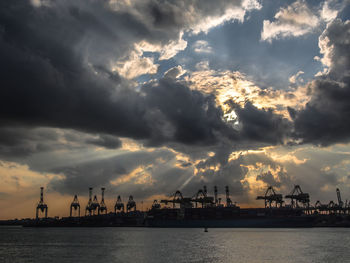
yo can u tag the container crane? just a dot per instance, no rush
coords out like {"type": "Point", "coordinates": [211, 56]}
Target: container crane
{"type": "Point", "coordinates": [202, 198]}
{"type": "Point", "coordinates": [131, 204]}
{"type": "Point", "coordinates": [298, 198]}
{"type": "Point", "coordinates": [340, 202]}
{"type": "Point", "coordinates": [119, 205]}
{"type": "Point", "coordinates": [95, 206]}
{"type": "Point", "coordinates": [88, 208]}
{"type": "Point", "coordinates": [155, 205]}
{"type": "Point", "coordinates": [92, 205]}
{"type": "Point", "coordinates": [102, 208]}
{"type": "Point", "coordinates": [75, 205]}
{"type": "Point", "coordinates": [270, 197]}
{"type": "Point", "coordinates": [321, 208]}
{"type": "Point", "coordinates": [177, 198]}
{"type": "Point", "coordinates": [41, 205]}
{"type": "Point", "coordinates": [228, 199]}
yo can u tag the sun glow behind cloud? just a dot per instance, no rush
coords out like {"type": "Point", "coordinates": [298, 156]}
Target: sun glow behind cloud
{"type": "Point", "coordinates": [228, 85]}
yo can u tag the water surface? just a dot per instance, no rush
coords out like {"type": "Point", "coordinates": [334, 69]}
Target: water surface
{"type": "Point", "coordinates": [110, 245]}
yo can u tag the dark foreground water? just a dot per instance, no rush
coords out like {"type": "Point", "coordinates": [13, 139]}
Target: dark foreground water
{"type": "Point", "coordinates": [110, 245]}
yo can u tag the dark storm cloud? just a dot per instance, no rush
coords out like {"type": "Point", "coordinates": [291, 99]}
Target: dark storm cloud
{"type": "Point", "coordinates": [268, 179]}
{"type": "Point", "coordinates": [53, 72]}
{"type": "Point", "coordinates": [261, 125]}
{"type": "Point", "coordinates": [191, 117]}
{"type": "Point", "coordinates": [325, 119]}
{"type": "Point", "coordinates": [282, 178]}
{"type": "Point", "coordinates": [107, 141]}
{"type": "Point", "coordinates": [183, 14]}
{"type": "Point", "coordinates": [46, 83]}
{"type": "Point", "coordinates": [21, 142]}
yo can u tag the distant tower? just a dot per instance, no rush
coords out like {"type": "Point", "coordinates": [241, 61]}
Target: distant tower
{"type": "Point", "coordinates": [41, 205]}
{"type": "Point", "coordinates": [216, 194]}
{"type": "Point", "coordinates": [340, 202]}
{"type": "Point", "coordinates": [205, 191]}
{"type": "Point", "coordinates": [102, 208]}
{"type": "Point", "coordinates": [228, 199]}
{"type": "Point", "coordinates": [75, 204]}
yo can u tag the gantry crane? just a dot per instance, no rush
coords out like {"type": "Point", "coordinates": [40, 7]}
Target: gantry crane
{"type": "Point", "coordinates": [88, 208]}
{"type": "Point", "coordinates": [177, 198]}
{"type": "Point", "coordinates": [95, 206]}
{"type": "Point", "coordinates": [75, 205]}
{"type": "Point", "coordinates": [228, 199]}
{"type": "Point", "coordinates": [340, 205]}
{"type": "Point", "coordinates": [205, 191]}
{"type": "Point", "coordinates": [92, 205]}
{"type": "Point", "coordinates": [119, 205]}
{"type": "Point", "coordinates": [270, 197]}
{"type": "Point", "coordinates": [321, 208]}
{"type": "Point", "coordinates": [155, 204]}
{"type": "Point", "coordinates": [202, 198]}
{"type": "Point", "coordinates": [41, 205]}
{"type": "Point", "coordinates": [199, 198]}
{"type": "Point", "coordinates": [298, 198]}
{"type": "Point", "coordinates": [102, 207]}
{"type": "Point", "coordinates": [131, 204]}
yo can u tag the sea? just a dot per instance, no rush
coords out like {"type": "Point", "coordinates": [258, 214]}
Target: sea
{"type": "Point", "coordinates": [167, 245]}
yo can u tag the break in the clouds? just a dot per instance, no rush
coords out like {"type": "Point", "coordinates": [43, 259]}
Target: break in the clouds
{"type": "Point", "coordinates": [146, 97]}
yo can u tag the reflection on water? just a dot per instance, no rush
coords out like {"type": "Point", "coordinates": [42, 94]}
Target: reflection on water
{"type": "Point", "coordinates": [52, 245]}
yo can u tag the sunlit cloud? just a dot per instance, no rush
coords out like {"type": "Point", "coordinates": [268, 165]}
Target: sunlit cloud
{"type": "Point", "coordinates": [226, 85]}
{"type": "Point", "coordinates": [174, 72]}
{"type": "Point", "coordinates": [293, 79]}
{"type": "Point", "coordinates": [202, 46]}
{"type": "Point", "coordinates": [140, 175]}
{"type": "Point", "coordinates": [294, 20]}
{"type": "Point", "coordinates": [135, 65]}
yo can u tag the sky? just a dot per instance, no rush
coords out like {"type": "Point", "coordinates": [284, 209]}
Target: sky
{"type": "Point", "coordinates": [146, 97]}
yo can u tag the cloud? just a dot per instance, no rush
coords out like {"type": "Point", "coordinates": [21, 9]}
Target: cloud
{"type": "Point", "coordinates": [71, 93]}
{"type": "Point", "coordinates": [172, 20]}
{"type": "Point", "coordinates": [331, 8]}
{"type": "Point", "coordinates": [107, 141]}
{"type": "Point", "coordinates": [202, 46]}
{"type": "Point", "coordinates": [293, 79]}
{"type": "Point", "coordinates": [183, 115]}
{"type": "Point", "coordinates": [135, 65]}
{"type": "Point", "coordinates": [333, 46]}
{"type": "Point", "coordinates": [174, 72]}
{"type": "Point", "coordinates": [142, 174]}
{"type": "Point", "coordinates": [294, 20]}
{"type": "Point", "coordinates": [233, 85]}
{"type": "Point", "coordinates": [269, 179]}
{"type": "Point", "coordinates": [67, 78]}
{"type": "Point", "coordinates": [324, 120]}
{"type": "Point", "coordinates": [261, 125]}
{"type": "Point", "coordinates": [196, 16]}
